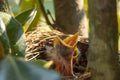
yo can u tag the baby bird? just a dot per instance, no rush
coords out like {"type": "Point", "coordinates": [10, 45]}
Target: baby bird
{"type": "Point", "coordinates": [64, 54]}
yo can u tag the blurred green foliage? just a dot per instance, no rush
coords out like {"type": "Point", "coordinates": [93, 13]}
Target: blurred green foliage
{"type": "Point", "coordinates": [13, 44]}
{"type": "Point", "coordinates": [15, 34]}
{"type": "Point", "coordinates": [12, 66]}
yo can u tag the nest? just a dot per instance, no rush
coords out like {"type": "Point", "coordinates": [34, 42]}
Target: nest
{"type": "Point", "coordinates": [39, 39]}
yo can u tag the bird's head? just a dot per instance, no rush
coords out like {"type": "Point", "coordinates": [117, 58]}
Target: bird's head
{"type": "Point", "coordinates": [67, 47]}
{"type": "Point", "coordinates": [66, 52]}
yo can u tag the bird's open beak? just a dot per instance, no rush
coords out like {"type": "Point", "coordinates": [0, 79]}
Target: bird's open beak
{"type": "Point", "coordinates": [72, 41]}
{"type": "Point", "coordinates": [69, 42]}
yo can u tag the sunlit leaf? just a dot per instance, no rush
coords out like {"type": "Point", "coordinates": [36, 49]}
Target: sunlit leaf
{"type": "Point", "coordinates": [5, 44]}
{"type": "Point", "coordinates": [38, 13]}
{"type": "Point", "coordinates": [15, 69]}
{"type": "Point", "coordinates": [30, 20]}
{"type": "Point", "coordinates": [15, 34]}
{"type": "Point", "coordinates": [23, 17]}
{"type": "Point", "coordinates": [26, 4]}
{"type": "Point", "coordinates": [37, 17]}
{"type": "Point", "coordinates": [26, 18]}
{"type": "Point", "coordinates": [45, 64]}
{"type": "Point", "coordinates": [48, 64]}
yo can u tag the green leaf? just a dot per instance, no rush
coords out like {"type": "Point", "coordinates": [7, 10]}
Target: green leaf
{"type": "Point", "coordinates": [4, 38]}
{"type": "Point", "coordinates": [45, 64]}
{"type": "Point", "coordinates": [30, 20]}
{"type": "Point", "coordinates": [39, 62]}
{"type": "Point", "coordinates": [23, 17]}
{"type": "Point", "coordinates": [15, 69]}
{"type": "Point", "coordinates": [38, 16]}
{"type": "Point", "coordinates": [15, 34]}
{"type": "Point", "coordinates": [26, 4]}
{"type": "Point", "coordinates": [26, 18]}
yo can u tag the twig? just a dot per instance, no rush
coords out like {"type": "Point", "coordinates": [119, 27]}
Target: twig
{"type": "Point", "coordinates": [54, 25]}
{"type": "Point", "coordinates": [28, 58]}
{"type": "Point", "coordinates": [44, 13]}
{"type": "Point", "coordinates": [85, 76]}
{"type": "Point", "coordinates": [48, 12]}
{"type": "Point", "coordinates": [50, 37]}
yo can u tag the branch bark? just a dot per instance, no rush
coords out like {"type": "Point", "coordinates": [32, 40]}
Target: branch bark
{"type": "Point", "coordinates": [103, 49]}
